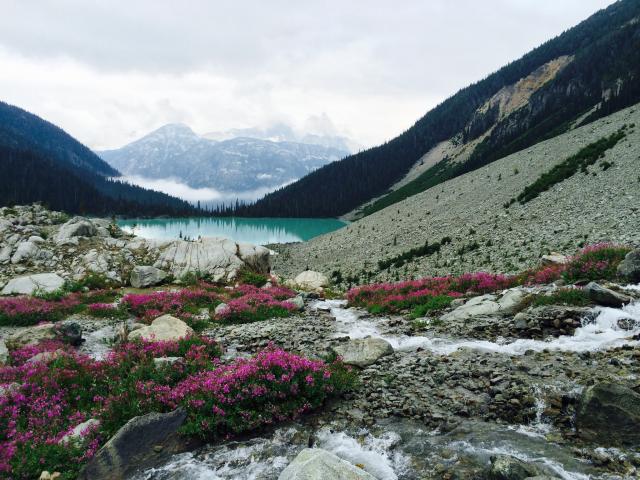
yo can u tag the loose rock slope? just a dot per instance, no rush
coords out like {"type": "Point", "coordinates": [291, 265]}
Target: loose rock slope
{"type": "Point", "coordinates": [600, 205]}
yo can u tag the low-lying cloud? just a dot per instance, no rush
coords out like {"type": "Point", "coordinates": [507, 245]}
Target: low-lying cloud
{"type": "Point", "coordinates": [210, 196]}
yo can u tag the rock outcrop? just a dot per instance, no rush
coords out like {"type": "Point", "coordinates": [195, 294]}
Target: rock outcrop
{"type": "Point", "coordinates": [309, 281]}
{"type": "Point", "coordinates": [605, 296]}
{"type": "Point", "coordinates": [30, 284]}
{"type": "Point", "coordinates": [609, 414]}
{"type": "Point", "coordinates": [146, 276]}
{"type": "Point", "coordinates": [629, 268]}
{"type": "Point", "coordinates": [140, 443]}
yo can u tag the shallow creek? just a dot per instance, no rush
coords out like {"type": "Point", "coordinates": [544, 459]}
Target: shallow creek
{"type": "Point", "coordinates": [395, 448]}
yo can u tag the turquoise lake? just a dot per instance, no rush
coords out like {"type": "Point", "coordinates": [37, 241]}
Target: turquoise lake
{"type": "Point", "coordinates": [259, 231]}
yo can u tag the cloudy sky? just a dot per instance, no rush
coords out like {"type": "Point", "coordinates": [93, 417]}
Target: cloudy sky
{"type": "Point", "coordinates": [109, 71]}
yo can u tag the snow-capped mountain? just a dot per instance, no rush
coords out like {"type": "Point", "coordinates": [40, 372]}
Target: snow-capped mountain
{"type": "Point", "coordinates": [281, 132]}
{"type": "Point", "coordinates": [228, 165]}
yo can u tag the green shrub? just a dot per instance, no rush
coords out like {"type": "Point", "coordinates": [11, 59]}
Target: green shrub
{"type": "Point", "coordinates": [433, 304]}
{"type": "Point", "coordinates": [251, 278]}
{"type": "Point", "coordinates": [563, 296]}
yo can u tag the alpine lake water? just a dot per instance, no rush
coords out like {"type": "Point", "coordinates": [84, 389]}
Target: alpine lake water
{"type": "Point", "coordinates": [259, 231]}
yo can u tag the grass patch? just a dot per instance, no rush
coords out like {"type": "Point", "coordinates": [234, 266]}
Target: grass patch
{"type": "Point", "coordinates": [564, 296]}
{"type": "Point", "coordinates": [433, 304]}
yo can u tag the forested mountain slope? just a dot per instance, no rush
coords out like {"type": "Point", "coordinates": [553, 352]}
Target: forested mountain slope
{"type": "Point", "coordinates": [592, 70]}
{"type": "Point", "coordinates": [39, 162]}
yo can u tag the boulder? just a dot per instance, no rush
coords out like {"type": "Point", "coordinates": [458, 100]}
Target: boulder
{"type": "Point", "coordinates": [30, 284]}
{"type": "Point", "coordinates": [142, 442]}
{"type": "Point", "coordinates": [76, 227]}
{"type": "Point", "coordinates": [319, 464]}
{"type": "Point", "coordinates": [605, 296]}
{"type": "Point", "coordinates": [31, 336]}
{"type": "Point", "coordinates": [629, 268]}
{"type": "Point", "coordinates": [146, 276]}
{"type": "Point", "coordinates": [511, 301]}
{"type": "Point", "coordinates": [481, 305]}
{"type": "Point", "coordinates": [221, 307]}
{"type": "Point", "coordinates": [609, 414]}
{"type": "Point", "coordinates": [25, 251]}
{"type": "Point", "coordinates": [218, 258]}
{"type": "Point", "coordinates": [69, 332]}
{"type": "Point", "coordinates": [163, 328]}
{"type": "Point", "coordinates": [298, 301]}
{"type": "Point", "coordinates": [310, 281]}
{"type": "Point", "coordinates": [362, 352]}
{"type": "Point", "coordinates": [554, 258]}
{"type": "Point", "coordinates": [506, 467]}
{"type": "Point", "coordinates": [76, 435]}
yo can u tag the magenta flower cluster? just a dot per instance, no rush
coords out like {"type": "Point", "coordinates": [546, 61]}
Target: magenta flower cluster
{"type": "Point", "coordinates": [42, 401]}
{"type": "Point", "coordinates": [26, 310]}
{"type": "Point", "coordinates": [402, 295]}
{"type": "Point", "coordinates": [180, 303]}
{"type": "Point", "coordinates": [249, 303]}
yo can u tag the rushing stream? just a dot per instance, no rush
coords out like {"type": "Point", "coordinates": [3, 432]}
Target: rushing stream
{"type": "Point", "coordinates": [397, 448]}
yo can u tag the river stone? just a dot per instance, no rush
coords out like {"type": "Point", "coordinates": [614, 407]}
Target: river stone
{"type": "Point", "coordinates": [163, 328]}
{"type": "Point", "coordinates": [609, 414]}
{"type": "Point", "coordinates": [511, 300]}
{"type": "Point", "coordinates": [298, 301]}
{"type": "Point", "coordinates": [30, 284]}
{"type": "Point", "coordinates": [140, 443]}
{"type": "Point", "coordinates": [146, 276]}
{"type": "Point", "coordinates": [605, 296]}
{"type": "Point", "coordinates": [218, 258]}
{"type": "Point", "coordinates": [362, 352]}
{"type": "Point", "coordinates": [506, 467]}
{"type": "Point", "coordinates": [76, 227]}
{"type": "Point", "coordinates": [311, 281]}
{"type": "Point", "coordinates": [629, 268]}
{"type": "Point", "coordinates": [319, 464]}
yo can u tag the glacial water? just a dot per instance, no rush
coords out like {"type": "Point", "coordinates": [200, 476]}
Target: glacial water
{"type": "Point", "coordinates": [259, 231]}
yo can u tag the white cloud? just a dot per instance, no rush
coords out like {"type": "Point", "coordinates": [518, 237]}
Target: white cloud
{"type": "Point", "coordinates": [109, 72]}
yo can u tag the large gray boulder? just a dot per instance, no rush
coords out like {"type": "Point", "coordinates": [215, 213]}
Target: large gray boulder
{"type": "Point", "coordinates": [32, 335]}
{"type": "Point", "coordinates": [310, 281]}
{"type": "Point", "coordinates": [319, 464]}
{"type": "Point", "coordinates": [25, 251]}
{"type": "Point", "coordinates": [141, 443]}
{"type": "Point", "coordinates": [605, 296]}
{"type": "Point", "coordinates": [162, 329]}
{"type": "Point", "coordinates": [362, 352]}
{"type": "Point", "coordinates": [629, 268]}
{"type": "Point", "coordinates": [609, 414]}
{"type": "Point", "coordinates": [30, 284]}
{"type": "Point", "coordinates": [218, 258]}
{"type": "Point", "coordinates": [146, 276]}
{"type": "Point", "coordinates": [481, 305]}
{"type": "Point", "coordinates": [506, 467]}
{"type": "Point", "coordinates": [76, 227]}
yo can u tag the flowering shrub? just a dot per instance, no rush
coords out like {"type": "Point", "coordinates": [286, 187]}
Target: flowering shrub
{"type": "Point", "coordinates": [26, 310]}
{"type": "Point", "coordinates": [393, 297]}
{"type": "Point", "coordinates": [272, 386]}
{"type": "Point", "coordinates": [183, 303]}
{"type": "Point", "coordinates": [44, 402]}
{"type": "Point", "coordinates": [595, 262]}
{"type": "Point", "coordinates": [249, 304]}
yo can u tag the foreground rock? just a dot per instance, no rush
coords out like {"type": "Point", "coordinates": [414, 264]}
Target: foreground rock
{"type": "Point", "coordinates": [605, 296]}
{"type": "Point", "coordinates": [319, 464]}
{"type": "Point", "coordinates": [629, 268]}
{"type": "Point", "coordinates": [30, 284]}
{"type": "Point", "coordinates": [609, 414]}
{"type": "Point", "coordinates": [146, 276]}
{"type": "Point", "coordinates": [141, 443]}
{"type": "Point", "coordinates": [362, 352]}
{"type": "Point", "coordinates": [163, 328]}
